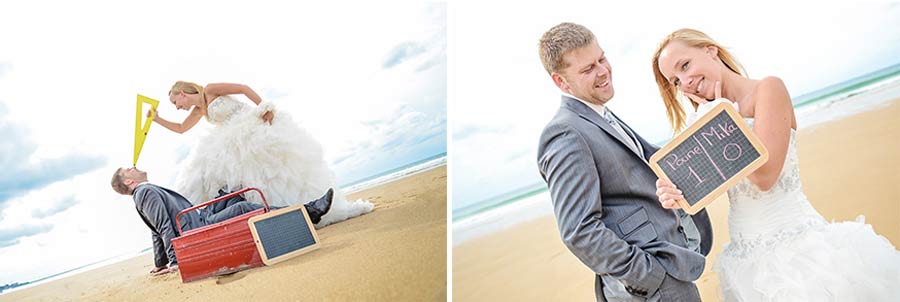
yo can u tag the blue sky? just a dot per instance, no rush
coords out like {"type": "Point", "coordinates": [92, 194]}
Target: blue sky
{"type": "Point", "coordinates": [371, 89]}
{"type": "Point", "coordinates": [501, 97]}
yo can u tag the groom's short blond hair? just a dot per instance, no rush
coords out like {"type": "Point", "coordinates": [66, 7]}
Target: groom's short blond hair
{"type": "Point", "coordinates": [118, 183]}
{"type": "Point", "coordinates": [560, 40]}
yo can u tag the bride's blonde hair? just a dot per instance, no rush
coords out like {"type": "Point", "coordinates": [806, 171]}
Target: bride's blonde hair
{"type": "Point", "coordinates": [189, 88]}
{"type": "Point", "coordinates": [693, 38]}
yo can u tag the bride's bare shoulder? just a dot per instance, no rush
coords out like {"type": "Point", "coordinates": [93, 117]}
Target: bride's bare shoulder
{"type": "Point", "coordinates": [765, 91]}
{"type": "Point", "coordinates": [770, 85]}
{"type": "Point", "coordinates": [219, 89]}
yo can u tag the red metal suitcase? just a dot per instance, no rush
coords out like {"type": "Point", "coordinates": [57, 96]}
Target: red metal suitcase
{"type": "Point", "coordinates": [220, 248]}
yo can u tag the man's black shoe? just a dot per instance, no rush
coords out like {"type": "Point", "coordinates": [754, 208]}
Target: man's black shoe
{"type": "Point", "coordinates": [319, 207]}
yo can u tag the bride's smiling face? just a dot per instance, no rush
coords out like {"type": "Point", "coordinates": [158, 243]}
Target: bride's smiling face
{"type": "Point", "coordinates": [691, 69]}
{"type": "Point", "coordinates": [181, 101]}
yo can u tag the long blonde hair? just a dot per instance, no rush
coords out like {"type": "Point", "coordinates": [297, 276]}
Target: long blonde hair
{"type": "Point", "coordinates": [190, 88]}
{"type": "Point", "coordinates": [693, 38]}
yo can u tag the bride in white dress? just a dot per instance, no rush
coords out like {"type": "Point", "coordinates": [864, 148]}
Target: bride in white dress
{"type": "Point", "coordinates": [252, 146]}
{"type": "Point", "coordinates": [781, 248]}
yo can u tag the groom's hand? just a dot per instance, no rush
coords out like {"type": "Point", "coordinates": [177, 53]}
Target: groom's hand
{"type": "Point", "coordinates": [668, 194]}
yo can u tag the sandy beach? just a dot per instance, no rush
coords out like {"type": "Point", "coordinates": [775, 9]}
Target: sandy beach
{"type": "Point", "coordinates": [849, 167]}
{"type": "Point", "coordinates": [396, 253]}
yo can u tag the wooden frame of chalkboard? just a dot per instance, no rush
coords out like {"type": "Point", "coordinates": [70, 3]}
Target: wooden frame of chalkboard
{"type": "Point", "coordinates": [699, 155]}
{"type": "Point", "coordinates": [273, 214]}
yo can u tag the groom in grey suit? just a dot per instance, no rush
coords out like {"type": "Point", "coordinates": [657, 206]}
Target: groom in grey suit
{"type": "Point", "coordinates": [603, 190]}
{"type": "Point", "coordinates": [158, 207]}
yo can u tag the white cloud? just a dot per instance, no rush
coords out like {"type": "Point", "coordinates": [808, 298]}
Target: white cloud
{"type": "Point", "coordinates": [19, 174]}
{"type": "Point", "coordinates": [54, 208]}
{"type": "Point", "coordinates": [501, 97]}
{"type": "Point", "coordinates": [13, 235]}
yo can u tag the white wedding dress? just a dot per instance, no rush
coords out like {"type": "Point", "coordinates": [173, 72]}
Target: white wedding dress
{"type": "Point", "coordinates": [281, 159]}
{"type": "Point", "coordinates": [782, 249]}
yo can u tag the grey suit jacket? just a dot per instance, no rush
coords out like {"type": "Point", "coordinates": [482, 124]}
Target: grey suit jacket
{"type": "Point", "coordinates": [158, 206]}
{"type": "Point", "coordinates": [607, 211]}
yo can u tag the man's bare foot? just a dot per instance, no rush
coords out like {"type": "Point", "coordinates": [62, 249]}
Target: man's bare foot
{"type": "Point", "coordinates": [163, 270]}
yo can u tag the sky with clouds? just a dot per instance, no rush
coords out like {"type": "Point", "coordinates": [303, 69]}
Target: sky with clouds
{"type": "Point", "coordinates": [501, 97]}
{"type": "Point", "coordinates": [368, 81]}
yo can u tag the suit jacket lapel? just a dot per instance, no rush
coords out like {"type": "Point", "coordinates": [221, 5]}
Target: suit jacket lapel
{"type": "Point", "coordinates": [594, 118]}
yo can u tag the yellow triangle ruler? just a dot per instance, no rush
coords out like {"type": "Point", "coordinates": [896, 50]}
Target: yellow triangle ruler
{"type": "Point", "coordinates": [140, 134]}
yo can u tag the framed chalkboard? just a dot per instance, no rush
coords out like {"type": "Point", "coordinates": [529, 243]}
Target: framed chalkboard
{"type": "Point", "coordinates": [282, 234]}
{"type": "Point", "coordinates": [709, 157]}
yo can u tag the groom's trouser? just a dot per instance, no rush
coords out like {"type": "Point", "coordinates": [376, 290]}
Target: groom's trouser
{"type": "Point", "coordinates": [232, 207]}
{"type": "Point", "coordinates": [235, 210]}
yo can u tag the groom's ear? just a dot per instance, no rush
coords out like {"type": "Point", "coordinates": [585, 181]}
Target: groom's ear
{"type": "Point", "coordinates": [560, 81]}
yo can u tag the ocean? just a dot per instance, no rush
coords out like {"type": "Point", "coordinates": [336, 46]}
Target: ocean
{"type": "Point", "coordinates": [396, 173]}
{"type": "Point", "coordinates": [829, 103]}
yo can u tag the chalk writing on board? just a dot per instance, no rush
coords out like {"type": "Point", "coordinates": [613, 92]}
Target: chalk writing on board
{"type": "Point", "coordinates": [710, 156]}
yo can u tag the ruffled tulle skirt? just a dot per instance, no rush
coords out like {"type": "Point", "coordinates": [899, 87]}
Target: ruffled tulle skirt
{"type": "Point", "coordinates": [281, 159]}
{"type": "Point", "coordinates": [845, 261]}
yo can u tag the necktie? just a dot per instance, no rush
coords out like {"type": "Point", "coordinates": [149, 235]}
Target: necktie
{"type": "Point", "coordinates": [629, 139]}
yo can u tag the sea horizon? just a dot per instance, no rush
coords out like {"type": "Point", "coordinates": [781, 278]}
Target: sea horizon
{"type": "Point", "coordinates": [395, 173]}
{"type": "Point", "coordinates": [815, 108]}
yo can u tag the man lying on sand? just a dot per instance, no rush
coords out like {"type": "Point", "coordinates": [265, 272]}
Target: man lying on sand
{"type": "Point", "coordinates": [158, 207]}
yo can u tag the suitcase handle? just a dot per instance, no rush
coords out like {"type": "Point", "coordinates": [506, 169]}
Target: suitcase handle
{"type": "Point", "coordinates": [229, 195]}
